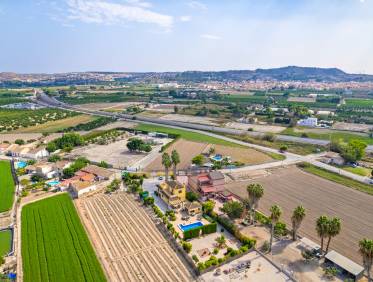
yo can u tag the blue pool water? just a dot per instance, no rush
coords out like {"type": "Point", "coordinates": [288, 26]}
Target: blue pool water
{"type": "Point", "coordinates": [53, 183]}
{"type": "Point", "coordinates": [190, 226]}
{"type": "Point", "coordinates": [20, 164]}
{"type": "Point", "coordinates": [217, 158]}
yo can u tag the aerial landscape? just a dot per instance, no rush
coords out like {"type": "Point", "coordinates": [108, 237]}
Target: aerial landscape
{"type": "Point", "coordinates": [186, 140]}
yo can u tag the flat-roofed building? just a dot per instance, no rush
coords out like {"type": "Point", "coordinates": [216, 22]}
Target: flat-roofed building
{"type": "Point", "coordinates": [173, 193]}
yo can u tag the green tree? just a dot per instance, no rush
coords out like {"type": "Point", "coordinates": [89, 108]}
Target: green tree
{"type": "Point", "coordinates": [166, 162]}
{"type": "Point", "coordinates": [255, 192]}
{"type": "Point", "coordinates": [233, 209]}
{"type": "Point", "coordinates": [299, 214]}
{"type": "Point", "coordinates": [175, 159]}
{"type": "Point", "coordinates": [191, 196]}
{"type": "Point", "coordinates": [322, 225]}
{"type": "Point", "coordinates": [366, 251]}
{"type": "Point", "coordinates": [103, 164]}
{"type": "Point", "coordinates": [274, 217]}
{"type": "Point", "coordinates": [19, 141]}
{"type": "Point", "coordinates": [54, 158]}
{"type": "Point", "coordinates": [198, 160]}
{"type": "Point", "coordinates": [334, 228]}
{"type": "Point", "coordinates": [208, 206]}
{"type": "Point", "coordinates": [353, 151]}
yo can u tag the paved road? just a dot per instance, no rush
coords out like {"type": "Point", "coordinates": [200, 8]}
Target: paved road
{"type": "Point", "coordinates": [207, 130]}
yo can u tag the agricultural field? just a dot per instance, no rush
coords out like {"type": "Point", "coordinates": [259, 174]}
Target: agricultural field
{"type": "Point", "coordinates": [359, 103]}
{"type": "Point", "coordinates": [5, 242]}
{"type": "Point", "coordinates": [11, 96]}
{"type": "Point", "coordinates": [128, 242]}
{"type": "Point", "coordinates": [187, 135]}
{"type": "Point", "coordinates": [191, 119]}
{"type": "Point", "coordinates": [7, 186]}
{"type": "Point", "coordinates": [329, 134]}
{"type": "Point", "coordinates": [103, 97]}
{"type": "Point", "coordinates": [55, 246]}
{"type": "Point", "coordinates": [189, 149]}
{"type": "Point", "coordinates": [16, 119]}
{"type": "Point", "coordinates": [255, 127]}
{"type": "Point", "coordinates": [289, 187]}
{"type": "Point", "coordinates": [58, 125]}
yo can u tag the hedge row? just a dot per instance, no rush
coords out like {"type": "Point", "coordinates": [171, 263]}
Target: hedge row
{"type": "Point", "coordinates": [195, 232]}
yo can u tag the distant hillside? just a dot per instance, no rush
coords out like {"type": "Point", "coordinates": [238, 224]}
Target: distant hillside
{"type": "Point", "coordinates": [282, 74]}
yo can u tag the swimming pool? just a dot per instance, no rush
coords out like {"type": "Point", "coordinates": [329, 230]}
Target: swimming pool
{"type": "Point", "coordinates": [217, 158]}
{"type": "Point", "coordinates": [20, 164]}
{"type": "Point", "coordinates": [53, 183]}
{"type": "Point", "coordinates": [190, 226]}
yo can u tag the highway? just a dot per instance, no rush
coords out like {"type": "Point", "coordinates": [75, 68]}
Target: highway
{"type": "Point", "coordinates": [291, 158]}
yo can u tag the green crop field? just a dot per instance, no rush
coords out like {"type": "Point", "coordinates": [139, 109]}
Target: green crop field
{"type": "Point", "coordinates": [337, 135]}
{"type": "Point", "coordinates": [5, 242]}
{"type": "Point", "coordinates": [187, 135]}
{"type": "Point", "coordinates": [359, 103]}
{"type": "Point", "coordinates": [55, 246]}
{"type": "Point", "coordinates": [6, 186]}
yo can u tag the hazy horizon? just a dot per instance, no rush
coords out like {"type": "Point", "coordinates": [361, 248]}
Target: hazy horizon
{"type": "Point", "coordinates": [166, 36]}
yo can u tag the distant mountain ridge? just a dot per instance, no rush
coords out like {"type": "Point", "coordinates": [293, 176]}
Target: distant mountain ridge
{"type": "Point", "coordinates": [289, 73]}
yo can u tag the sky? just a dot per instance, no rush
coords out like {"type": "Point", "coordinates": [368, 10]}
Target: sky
{"type": "Point", "coordinates": [41, 36]}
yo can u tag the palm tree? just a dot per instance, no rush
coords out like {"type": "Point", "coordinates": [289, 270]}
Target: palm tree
{"type": "Point", "coordinates": [322, 229]}
{"type": "Point", "coordinates": [255, 192]}
{"type": "Point", "coordinates": [334, 227]}
{"type": "Point", "coordinates": [246, 204]}
{"type": "Point", "coordinates": [296, 219]}
{"type": "Point", "coordinates": [366, 251]}
{"type": "Point", "coordinates": [220, 241]}
{"type": "Point", "coordinates": [275, 217]}
{"type": "Point", "coordinates": [175, 159]}
{"type": "Point", "coordinates": [166, 162]}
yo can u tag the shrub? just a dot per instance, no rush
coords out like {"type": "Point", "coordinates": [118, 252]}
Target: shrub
{"type": "Point", "coordinates": [54, 158]}
{"type": "Point", "coordinates": [215, 251]}
{"type": "Point", "coordinates": [270, 137]}
{"type": "Point", "coordinates": [149, 201]}
{"type": "Point", "coordinates": [201, 266]}
{"type": "Point", "coordinates": [208, 206]}
{"type": "Point", "coordinates": [233, 209]}
{"type": "Point", "coordinates": [209, 228]}
{"type": "Point", "coordinates": [195, 258]}
{"type": "Point", "coordinates": [192, 233]}
{"type": "Point", "coordinates": [280, 229]}
{"type": "Point", "coordinates": [19, 141]}
{"type": "Point", "coordinates": [265, 247]}
{"type": "Point", "coordinates": [187, 247]}
{"type": "Point", "coordinates": [244, 248]}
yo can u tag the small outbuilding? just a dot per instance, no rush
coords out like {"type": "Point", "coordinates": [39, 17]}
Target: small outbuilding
{"type": "Point", "coordinates": [350, 268]}
{"type": "Point", "coordinates": [193, 208]}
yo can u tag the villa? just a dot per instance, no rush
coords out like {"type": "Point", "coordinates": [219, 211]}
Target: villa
{"type": "Point", "coordinates": [207, 184]}
{"type": "Point", "coordinates": [37, 153]}
{"type": "Point", "coordinates": [173, 193]}
{"type": "Point", "coordinates": [193, 208]}
{"type": "Point", "coordinates": [98, 172]}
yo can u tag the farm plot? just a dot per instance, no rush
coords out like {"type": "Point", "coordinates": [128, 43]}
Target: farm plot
{"type": "Point", "coordinates": [5, 241]}
{"type": "Point", "coordinates": [57, 125]}
{"type": "Point", "coordinates": [191, 119]}
{"type": "Point", "coordinates": [55, 246]}
{"type": "Point", "coordinates": [290, 187]}
{"type": "Point", "coordinates": [7, 186]}
{"type": "Point", "coordinates": [256, 127]}
{"type": "Point", "coordinates": [190, 149]}
{"type": "Point", "coordinates": [128, 242]}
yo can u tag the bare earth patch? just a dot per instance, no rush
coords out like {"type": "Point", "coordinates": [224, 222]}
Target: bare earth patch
{"type": "Point", "coordinates": [247, 156]}
{"type": "Point", "coordinates": [255, 127]}
{"type": "Point", "coordinates": [290, 187]}
{"type": "Point", "coordinates": [302, 99]}
{"type": "Point", "coordinates": [192, 119]}
{"type": "Point", "coordinates": [106, 106]}
{"type": "Point", "coordinates": [128, 243]}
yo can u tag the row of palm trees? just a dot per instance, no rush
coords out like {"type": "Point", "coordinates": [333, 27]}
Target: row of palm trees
{"type": "Point", "coordinates": [326, 228]}
{"type": "Point", "coordinates": [168, 161]}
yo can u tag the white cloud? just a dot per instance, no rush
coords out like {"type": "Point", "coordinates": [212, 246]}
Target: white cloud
{"type": "Point", "coordinates": [104, 12]}
{"type": "Point", "coordinates": [185, 18]}
{"type": "Point", "coordinates": [210, 37]}
{"type": "Point", "coordinates": [197, 5]}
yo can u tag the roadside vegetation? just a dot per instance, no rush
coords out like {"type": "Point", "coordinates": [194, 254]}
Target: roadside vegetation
{"type": "Point", "coordinates": [95, 123]}
{"type": "Point", "coordinates": [366, 188]}
{"type": "Point", "coordinates": [55, 246]}
{"type": "Point", "coordinates": [7, 186]}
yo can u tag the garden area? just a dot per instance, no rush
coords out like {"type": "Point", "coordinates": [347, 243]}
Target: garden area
{"type": "Point", "coordinates": [55, 246]}
{"type": "Point", "coordinates": [5, 242]}
{"type": "Point", "coordinates": [7, 186]}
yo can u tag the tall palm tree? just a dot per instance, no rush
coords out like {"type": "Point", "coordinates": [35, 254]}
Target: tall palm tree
{"type": "Point", "coordinates": [246, 204]}
{"type": "Point", "coordinates": [296, 219]}
{"type": "Point", "coordinates": [166, 162]}
{"type": "Point", "coordinates": [366, 251]}
{"type": "Point", "coordinates": [255, 191]}
{"type": "Point", "coordinates": [334, 228]}
{"type": "Point", "coordinates": [175, 159]}
{"type": "Point", "coordinates": [274, 217]}
{"type": "Point", "coordinates": [322, 224]}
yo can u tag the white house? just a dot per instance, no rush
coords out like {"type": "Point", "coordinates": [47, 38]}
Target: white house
{"type": "Point", "coordinates": [37, 153]}
{"type": "Point", "coordinates": [311, 122]}
{"type": "Point", "coordinates": [81, 187]}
